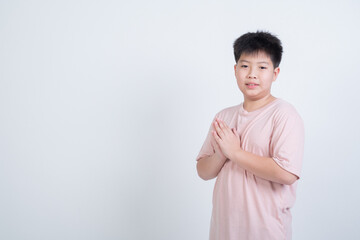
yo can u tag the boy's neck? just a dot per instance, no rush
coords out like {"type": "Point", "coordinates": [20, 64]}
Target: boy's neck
{"type": "Point", "coordinates": [252, 105]}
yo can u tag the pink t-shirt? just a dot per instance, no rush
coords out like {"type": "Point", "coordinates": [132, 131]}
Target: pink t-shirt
{"type": "Point", "coordinates": [246, 206]}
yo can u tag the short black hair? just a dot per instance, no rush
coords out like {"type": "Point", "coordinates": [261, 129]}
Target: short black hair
{"type": "Point", "coordinates": [254, 42]}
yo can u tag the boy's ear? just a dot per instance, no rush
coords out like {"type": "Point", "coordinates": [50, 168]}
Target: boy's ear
{"type": "Point", "coordinates": [235, 68]}
{"type": "Point", "coordinates": [276, 73]}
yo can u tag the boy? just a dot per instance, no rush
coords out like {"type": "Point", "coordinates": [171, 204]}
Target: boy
{"type": "Point", "coordinates": [255, 150]}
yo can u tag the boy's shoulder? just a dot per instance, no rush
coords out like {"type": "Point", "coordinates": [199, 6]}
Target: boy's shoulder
{"type": "Point", "coordinates": [284, 106]}
{"type": "Point", "coordinates": [228, 111]}
{"type": "Point", "coordinates": [283, 110]}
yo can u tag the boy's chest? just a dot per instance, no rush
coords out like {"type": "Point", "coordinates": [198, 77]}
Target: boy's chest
{"type": "Point", "coordinates": [255, 133]}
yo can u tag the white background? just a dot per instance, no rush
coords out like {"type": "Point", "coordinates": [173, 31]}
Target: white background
{"type": "Point", "coordinates": [104, 106]}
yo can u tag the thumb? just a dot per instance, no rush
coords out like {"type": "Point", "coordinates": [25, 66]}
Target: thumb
{"type": "Point", "coordinates": [235, 132]}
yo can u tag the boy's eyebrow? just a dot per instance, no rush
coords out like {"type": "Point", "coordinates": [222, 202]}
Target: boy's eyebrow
{"type": "Point", "coordinates": [257, 62]}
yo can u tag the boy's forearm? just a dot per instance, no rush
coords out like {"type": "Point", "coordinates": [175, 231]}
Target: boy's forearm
{"type": "Point", "coordinates": [264, 167]}
{"type": "Point", "coordinates": [209, 167]}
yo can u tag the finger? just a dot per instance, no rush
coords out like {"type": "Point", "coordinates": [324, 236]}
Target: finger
{"type": "Point", "coordinates": [235, 132]}
{"type": "Point", "coordinates": [224, 126]}
{"type": "Point", "coordinates": [218, 129]}
{"type": "Point", "coordinates": [216, 136]}
{"type": "Point", "coordinates": [216, 146]}
{"type": "Point", "coordinates": [221, 123]}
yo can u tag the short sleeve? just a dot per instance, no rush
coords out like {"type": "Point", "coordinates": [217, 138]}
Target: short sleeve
{"type": "Point", "coordinates": [207, 148]}
{"type": "Point", "coordinates": [287, 142]}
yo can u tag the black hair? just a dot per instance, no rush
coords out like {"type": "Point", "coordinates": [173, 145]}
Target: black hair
{"type": "Point", "coordinates": [254, 42]}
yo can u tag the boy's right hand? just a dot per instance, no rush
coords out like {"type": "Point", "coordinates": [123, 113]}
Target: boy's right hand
{"type": "Point", "coordinates": [218, 153]}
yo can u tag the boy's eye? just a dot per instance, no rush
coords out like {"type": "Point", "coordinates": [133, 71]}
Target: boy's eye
{"type": "Point", "coordinates": [244, 66]}
{"type": "Point", "coordinates": [262, 67]}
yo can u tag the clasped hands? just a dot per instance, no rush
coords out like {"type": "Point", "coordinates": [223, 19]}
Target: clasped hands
{"type": "Point", "coordinates": [227, 140]}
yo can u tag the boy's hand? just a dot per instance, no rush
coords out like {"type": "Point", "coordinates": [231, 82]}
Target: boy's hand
{"type": "Point", "coordinates": [227, 139]}
{"type": "Point", "coordinates": [218, 152]}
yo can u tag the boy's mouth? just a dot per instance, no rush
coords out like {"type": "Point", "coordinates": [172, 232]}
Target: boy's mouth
{"type": "Point", "coordinates": [251, 85]}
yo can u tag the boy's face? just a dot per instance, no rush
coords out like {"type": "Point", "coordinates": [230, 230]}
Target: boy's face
{"type": "Point", "coordinates": [254, 74]}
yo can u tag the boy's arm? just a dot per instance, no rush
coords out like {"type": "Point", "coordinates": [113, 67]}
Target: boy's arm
{"type": "Point", "coordinates": [210, 166]}
{"type": "Point", "coordinates": [264, 167]}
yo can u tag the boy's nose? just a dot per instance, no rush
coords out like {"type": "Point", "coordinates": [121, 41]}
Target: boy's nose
{"type": "Point", "coordinates": [252, 74]}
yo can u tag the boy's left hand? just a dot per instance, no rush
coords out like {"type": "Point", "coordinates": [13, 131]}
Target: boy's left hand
{"type": "Point", "coordinates": [228, 139]}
